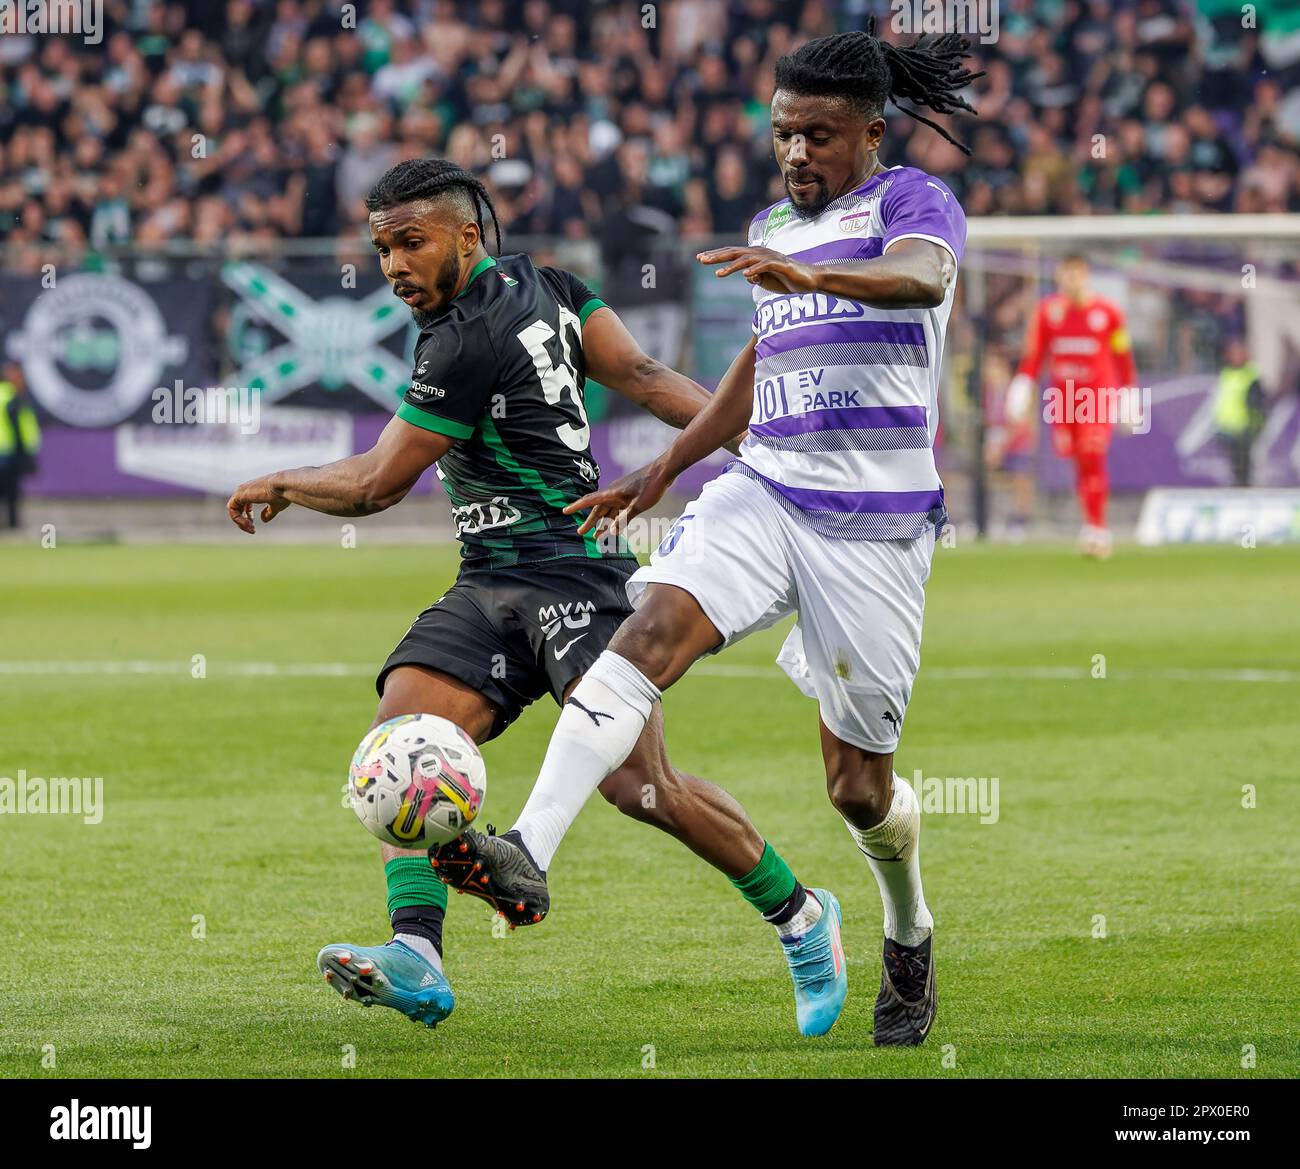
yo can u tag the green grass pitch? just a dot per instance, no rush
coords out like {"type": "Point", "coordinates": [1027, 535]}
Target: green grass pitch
{"type": "Point", "coordinates": [1120, 814]}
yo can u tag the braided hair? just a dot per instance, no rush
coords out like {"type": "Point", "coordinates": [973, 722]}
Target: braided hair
{"type": "Point", "coordinates": [432, 178]}
{"type": "Point", "coordinates": [870, 71]}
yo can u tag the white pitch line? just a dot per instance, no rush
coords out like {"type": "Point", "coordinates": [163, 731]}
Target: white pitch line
{"type": "Point", "coordinates": [705, 669]}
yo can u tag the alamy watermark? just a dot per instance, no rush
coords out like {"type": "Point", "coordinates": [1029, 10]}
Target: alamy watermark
{"type": "Point", "coordinates": [1113, 405]}
{"type": "Point", "coordinates": [182, 405]}
{"type": "Point", "coordinates": [102, 1122]}
{"type": "Point", "coordinates": [78, 18]}
{"type": "Point", "coordinates": [957, 795]}
{"type": "Point", "coordinates": [977, 19]}
{"type": "Point", "coordinates": [57, 796]}
{"type": "Point", "coordinates": [649, 533]}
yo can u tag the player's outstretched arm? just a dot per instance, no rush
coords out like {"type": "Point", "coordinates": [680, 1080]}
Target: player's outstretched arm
{"type": "Point", "coordinates": [725, 414]}
{"type": "Point", "coordinates": [356, 486]}
{"type": "Point", "coordinates": [616, 360]}
{"type": "Point", "coordinates": [913, 273]}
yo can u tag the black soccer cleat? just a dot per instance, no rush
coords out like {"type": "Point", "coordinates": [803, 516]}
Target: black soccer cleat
{"type": "Point", "coordinates": [908, 998]}
{"type": "Point", "coordinates": [496, 868]}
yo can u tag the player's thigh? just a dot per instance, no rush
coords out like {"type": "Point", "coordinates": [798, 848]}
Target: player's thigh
{"type": "Point", "coordinates": [666, 635]}
{"type": "Point", "coordinates": [417, 690]}
{"type": "Point", "coordinates": [856, 647]}
{"type": "Point", "coordinates": [721, 573]}
{"type": "Point", "coordinates": [465, 654]}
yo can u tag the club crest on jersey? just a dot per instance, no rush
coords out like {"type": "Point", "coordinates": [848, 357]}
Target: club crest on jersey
{"type": "Point", "coordinates": [855, 221]}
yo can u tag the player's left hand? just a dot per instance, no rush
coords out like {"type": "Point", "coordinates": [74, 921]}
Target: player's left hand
{"type": "Point", "coordinates": [240, 504]}
{"type": "Point", "coordinates": [764, 267]}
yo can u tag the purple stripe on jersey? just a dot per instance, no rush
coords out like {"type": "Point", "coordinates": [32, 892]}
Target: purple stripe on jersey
{"type": "Point", "coordinates": [850, 502]}
{"type": "Point", "coordinates": [838, 332]}
{"type": "Point", "coordinates": [840, 249]}
{"type": "Point", "coordinates": [853, 418]}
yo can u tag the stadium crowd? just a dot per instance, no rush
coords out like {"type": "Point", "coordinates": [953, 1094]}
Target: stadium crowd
{"type": "Point", "coordinates": [268, 118]}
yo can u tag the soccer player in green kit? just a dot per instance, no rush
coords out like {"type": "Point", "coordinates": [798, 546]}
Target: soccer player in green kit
{"type": "Point", "coordinates": [496, 402]}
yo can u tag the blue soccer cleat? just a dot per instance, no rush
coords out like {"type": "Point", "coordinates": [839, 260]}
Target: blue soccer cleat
{"type": "Point", "coordinates": [392, 976]}
{"type": "Point", "coordinates": [821, 976]}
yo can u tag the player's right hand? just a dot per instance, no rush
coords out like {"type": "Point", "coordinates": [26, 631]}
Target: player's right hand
{"type": "Point", "coordinates": [615, 506]}
{"type": "Point", "coordinates": [240, 505]}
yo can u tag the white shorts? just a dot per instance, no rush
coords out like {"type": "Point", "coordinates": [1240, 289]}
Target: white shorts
{"type": "Point", "coordinates": [856, 646]}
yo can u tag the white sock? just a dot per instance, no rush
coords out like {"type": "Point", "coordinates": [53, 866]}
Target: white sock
{"type": "Point", "coordinates": [893, 850]}
{"type": "Point", "coordinates": [598, 727]}
{"type": "Point", "coordinates": [803, 921]}
{"type": "Point", "coordinates": [422, 946]}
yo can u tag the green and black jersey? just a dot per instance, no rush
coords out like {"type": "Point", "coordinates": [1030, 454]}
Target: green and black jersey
{"type": "Point", "coordinates": [502, 371]}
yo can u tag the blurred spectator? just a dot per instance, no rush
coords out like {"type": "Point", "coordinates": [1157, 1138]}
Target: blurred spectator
{"type": "Point", "coordinates": [272, 117]}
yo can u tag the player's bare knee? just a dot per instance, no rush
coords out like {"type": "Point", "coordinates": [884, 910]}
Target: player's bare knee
{"type": "Point", "coordinates": [860, 790]}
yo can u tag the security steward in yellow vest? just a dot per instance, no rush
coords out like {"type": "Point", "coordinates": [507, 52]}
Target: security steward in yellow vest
{"type": "Point", "coordinates": [20, 440]}
{"type": "Point", "coordinates": [1238, 410]}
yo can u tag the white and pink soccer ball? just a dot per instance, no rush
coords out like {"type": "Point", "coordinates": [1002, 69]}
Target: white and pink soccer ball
{"type": "Point", "coordinates": [417, 780]}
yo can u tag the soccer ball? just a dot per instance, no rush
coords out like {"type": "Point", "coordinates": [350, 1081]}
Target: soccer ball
{"type": "Point", "coordinates": [417, 780]}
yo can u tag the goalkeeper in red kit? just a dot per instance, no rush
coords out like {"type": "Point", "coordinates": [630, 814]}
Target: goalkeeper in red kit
{"type": "Point", "coordinates": [1084, 342]}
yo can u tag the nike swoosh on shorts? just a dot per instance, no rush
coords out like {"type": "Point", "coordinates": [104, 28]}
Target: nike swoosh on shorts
{"type": "Point", "coordinates": [559, 653]}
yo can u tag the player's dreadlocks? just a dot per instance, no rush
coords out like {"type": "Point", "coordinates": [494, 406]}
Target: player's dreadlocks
{"type": "Point", "coordinates": [870, 71]}
{"type": "Point", "coordinates": [428, 178]}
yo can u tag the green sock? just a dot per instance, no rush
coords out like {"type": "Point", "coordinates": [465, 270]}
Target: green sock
{"type": "Point", "coordinates": [412, 881]}
{"type": "Point", "coordinates": [769, 884]}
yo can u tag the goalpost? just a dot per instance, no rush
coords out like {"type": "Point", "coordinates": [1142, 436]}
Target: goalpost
{"type": "Point", "coordinates": [1188, 284]}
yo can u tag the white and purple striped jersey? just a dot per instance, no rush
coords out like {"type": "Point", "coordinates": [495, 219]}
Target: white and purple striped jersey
{"type": "Point", "coordinates": [846, 396]}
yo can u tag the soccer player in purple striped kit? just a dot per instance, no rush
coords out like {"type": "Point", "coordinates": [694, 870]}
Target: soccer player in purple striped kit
{"type": "Point", "coordinates": [830, 511]}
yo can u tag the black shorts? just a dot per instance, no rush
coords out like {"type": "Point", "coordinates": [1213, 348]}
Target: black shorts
{"type": "Point", "coordinates": [514, 634]}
